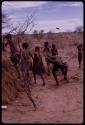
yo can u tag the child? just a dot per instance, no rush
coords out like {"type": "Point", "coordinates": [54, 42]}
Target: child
{"type": "Point", "coordinates": [38, 67]}
{"type": "Point", "coordinates": [79, 47]}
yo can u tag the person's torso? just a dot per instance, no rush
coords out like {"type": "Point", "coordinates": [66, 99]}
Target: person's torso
{"type": "Point", "coordinates": [37, 58]}
{"type": "Point", "coordinates": [54, 52]}
{"type": "Point", "coordinates": [46, 52]}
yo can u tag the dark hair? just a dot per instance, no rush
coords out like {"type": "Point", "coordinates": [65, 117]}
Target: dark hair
{"type": "Point", "coordinates": [8, 36]}
{"type": "Point", "coordinates": [25, 45]}
{"type": "Point", "coordinates": [46, 43]}
{"type": "Point", "coordinates": [37, 48]}
{"type": "Point", "coordinates": [53, 45]}
{"type": "Point", "coordinates": [80, 45]}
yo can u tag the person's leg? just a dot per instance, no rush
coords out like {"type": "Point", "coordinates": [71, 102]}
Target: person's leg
{"type": "Point", "coordinates": [28, 92]}
{"type": "Point", "coordinates": [34, 74]}
{"type": "Point", "coordinates": [55, 77]}
{"type": "Point", "coordinates": [48, 68]}
{"type": "Point", "coordinates": [17, 70]}
{"type": "Point", "coordinates": [26, 88]}
{"type": "Point", "coordinates": [65, 74]}
{"type": "Point", "coordinates": [79, 63]}
{"type": "Point", "coordinates": [65, 70]}
{"type": "Point", "coordinates": [42, 77]}
{"type": "Point", "coordinates": [80, 59]}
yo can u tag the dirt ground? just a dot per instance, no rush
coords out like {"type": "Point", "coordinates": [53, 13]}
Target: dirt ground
{"type": "Point", "coordinates": [63, 104]}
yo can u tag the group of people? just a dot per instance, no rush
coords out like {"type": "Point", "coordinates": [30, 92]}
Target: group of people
{"type": "Point", "coordinates": [52, 56]}
{"type": "Point", "coordinates": [25, 61]}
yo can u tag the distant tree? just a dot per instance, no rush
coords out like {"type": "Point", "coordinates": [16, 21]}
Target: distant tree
{"type": "Point", "coordinates": [41, 34]}
{"type": "Point", "coordinates": [79, 29]}
{"type": "Point", "coordinates": [38, 34]}
{"type": "Point", "coordinates": [69, 31]}
{"type": "Point", "coordinates": [35, 34]}
{"type": "Point", "coordinates": [50, 35]}
{"type": "Point", "coordinates": [5, 21]}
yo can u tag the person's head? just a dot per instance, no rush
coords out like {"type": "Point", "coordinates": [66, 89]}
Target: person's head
{"type": "Point", "coordinates": [53, 46]}
{"type": "Point", "coordinates": [37, 49]}
{"type": "Point", "coordinates": [8, 37]}
{"type": "Point", "coordinates": [25, 45]}
{"type": "Point", "coordinates": [45, 44]}
{"type": "Point", "coordinates": [80, 45]}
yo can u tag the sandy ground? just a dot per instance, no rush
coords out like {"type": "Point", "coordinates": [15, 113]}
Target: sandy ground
{"type": "Point", "coordinates": [63, 104]}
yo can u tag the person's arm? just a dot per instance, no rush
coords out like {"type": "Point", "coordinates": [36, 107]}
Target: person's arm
{"type": "Point", "coordinates": [30, 54]}
{"type": "Point", "coordinates": [21, 55]}
{"type": "Point", "coordinates": [56, 51]}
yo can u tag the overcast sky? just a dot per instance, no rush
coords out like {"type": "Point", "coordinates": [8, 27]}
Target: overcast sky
{"type": "Point", "coordinates": [47, 15]}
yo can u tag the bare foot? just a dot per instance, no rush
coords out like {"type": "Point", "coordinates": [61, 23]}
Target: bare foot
{"type": "Point", "coordinates": [35, 108]}
{"type": "Point", "coordinates": [48, 74]}
{"type": "Point", "coordinates": [79, 67]}
{"type": "Point", "coordinates": [57, 83]}
{"type": "Point", "coordinates": [67, 81]}
{"type": "Point", "coordinates": [34, 82]}
{"type": "Point", "coordinates": [43, 84]}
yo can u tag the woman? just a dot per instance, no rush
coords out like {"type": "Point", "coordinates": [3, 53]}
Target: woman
{"type": "Point", "coordinates": [38, 67]}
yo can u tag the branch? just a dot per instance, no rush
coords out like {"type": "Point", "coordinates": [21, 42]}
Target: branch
{"type": "Point", "coordinates": [26, 24]}
{"type": "Point", "coordinates": [31, 28]}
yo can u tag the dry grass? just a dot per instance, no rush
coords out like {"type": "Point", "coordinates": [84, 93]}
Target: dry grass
{"type": "Point", "coordinates": [63, 41]}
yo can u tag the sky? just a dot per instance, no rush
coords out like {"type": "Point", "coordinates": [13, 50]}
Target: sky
{"type": "Point", "coordinates": [46, 15]}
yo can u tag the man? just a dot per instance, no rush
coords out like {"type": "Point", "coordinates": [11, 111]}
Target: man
{"type": "Point", "coordinates": [79, 47]}
{"type": "Point", "coordinates": [47, 52]}
{"type": "Point", "coordinates": [14, 53]}
{"type": "Point", "coordinates": [21, 63]}
{"type": "Point", "coordinates": [54, 51]}
{"type": "Point", "coordinates": [58, 64]}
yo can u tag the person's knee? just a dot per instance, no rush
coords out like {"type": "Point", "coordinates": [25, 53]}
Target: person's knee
{"type": "Point", "coordinates": [53, 72]}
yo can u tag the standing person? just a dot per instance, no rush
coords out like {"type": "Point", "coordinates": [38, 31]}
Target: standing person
{"type": "Point", "coordinates": [54, 51]}
{"type": "Point", "coordinates": [58, 64]}
{"type": "Point", "coordinates": [79, 47]}
{"type": "Point", "coordinates": [25, 65]}
{"type": "Point", "coordinates": [47, 52]}
{"type": "Point", "coordinates": [38, 67]}
{"type": "Point", "coordinates": [20, 62]}
{"type": "Point", "coordinates": [14, 53]}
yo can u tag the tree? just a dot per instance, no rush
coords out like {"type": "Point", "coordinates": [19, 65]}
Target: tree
{"type": "Point", "coordinates": [35, 34]}
{"type": "Point", "coordinates": [20, 30]}
{"type": "Point", "coordinates": [50, 35]}
{"type": "Point", "coordinates": [38, 35]}
{"type": "Point", "coordinates": [79, 29]}
{"type": "Point", "coordinates": [5, 21]}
